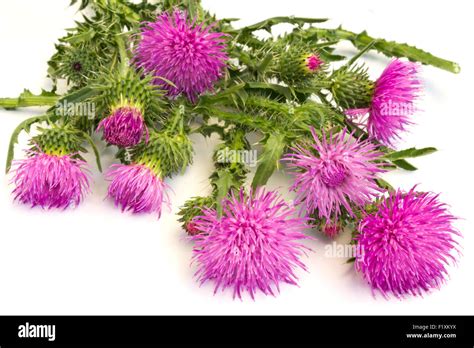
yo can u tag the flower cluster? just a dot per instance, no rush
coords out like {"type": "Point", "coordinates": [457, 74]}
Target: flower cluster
{"type": "Point", "coordinates": [159, 72]}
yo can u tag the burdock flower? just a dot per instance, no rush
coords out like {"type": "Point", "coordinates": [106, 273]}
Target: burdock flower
{"type": "Point", "coordinates": [392, 102]}
{"type": "Point", "coordinates": [333, 173]}
{"type": "Point", "coordinates": [406, 244]}
{"type": "Point", "coordinates": [137, 188]}
{"type": "Point", "coordinates": [124, 127]}
{"type": "Point", "coordinates": [50, 180]}
{"type": "Point", "coordinates": [254, 245]}
{"type": "Point", "coordinates": [187, 54]}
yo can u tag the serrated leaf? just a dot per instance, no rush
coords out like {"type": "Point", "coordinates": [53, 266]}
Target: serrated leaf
{"type": "Point", "coordinates": [208, 130]}
{"type": "Point", "coordinates": [268, 23]}
{"type": "Point", "coordinates": [269, 159]}
{"type": "Point", "coordinates": [81, 37]}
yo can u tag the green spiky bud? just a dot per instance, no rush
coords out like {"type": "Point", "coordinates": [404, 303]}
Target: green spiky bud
{"type": "Point", "coordinates": [166, 153]}
{"type": "Point", "coordinates": [298, 63]}
{"type": "Point", "coordinates": [130, 90]}
{"type": "Point", "coordinates": [351, 87]}
{"type": "Point", "coordinates": [192, 208]}
{"type": "Point", "coordinates": [78, 65]}
{"type": "Point", "coordinates": [58, 140]}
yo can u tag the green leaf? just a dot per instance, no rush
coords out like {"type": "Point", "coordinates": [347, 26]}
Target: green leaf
{"type": "Point", "coordinates": [279, 89]}
{"type": "Point", "coordinates": [351, 260]}
{"type": "Point", "coordinates": [26, 98]}
{"type": "Point", "coordinates": [388, 48]}
{"type": "Point", "coordinates": [410, 153]}
{"type": "Point", "coordinates": [94, 149]}
{"type": "Point", "coordinates": [23, 126]}
{"type": "Point", "coordinates": [361, 53]}
{"type": "Point", "coordinates": [79, 38]}
{"type": "Point", "coordinates": [77, 96]}
{"type": "Point", "coordinates": [251, 121]}
{"type": "Point", "coordinates": [207, 130]}
{"type": "Point", "coordinates": [224, 182]}
{"type": "Point", "coordinates": [269, 159]}
{"type": "Point", "coordinates": [223, 95]}
{"type": "Point", "coordinates": [268, 23]}
{"type": "Point", "coordinates": [383, 184]}
{"type": "Point", "coordinates": [404, 165]}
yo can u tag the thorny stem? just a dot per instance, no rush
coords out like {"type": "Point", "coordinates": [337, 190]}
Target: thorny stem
{"type": "Point", "coordinates": [13, 103]}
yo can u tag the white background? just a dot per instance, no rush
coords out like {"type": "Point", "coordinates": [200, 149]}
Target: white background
{"type": "Point", "coordinates": [96, 260]}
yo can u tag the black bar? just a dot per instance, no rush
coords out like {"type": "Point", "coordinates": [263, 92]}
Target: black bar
{"type": "Point", "coordinates": [301, 331]}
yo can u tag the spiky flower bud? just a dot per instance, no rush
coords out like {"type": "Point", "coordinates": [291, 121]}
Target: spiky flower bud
{"type": "Point", "coordinates": [351, 87]}
{"type": "Point", "coordinates": [77, 65]}
{"type": "Point", "coordinates": [169, 152]}
{"type": "Point", "coordinates": [129, 101]}
{"type": "Point", "coordinates": [192, 208]}
{"type": "Point", "coordinates": [298, 63]}
{"type": "Point", "coordinates": [57, 140]}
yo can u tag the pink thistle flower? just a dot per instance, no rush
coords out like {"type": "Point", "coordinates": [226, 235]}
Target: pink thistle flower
{"type": "Point", "coordinates": [252, 246]}
{"type": "Point", "coordinates": [341, 172]}
{"type": "Point", "coordinates": [406, 244]}
{"type": "Point", "coordinates": [136, 188]}
{"type": "Point", "coordinates": [50, 181]}
{"type": "Point", "coordinates": [187, 54]}
{"type": "Point", "coordinates": [392, 104]}
{"type": "Point", "coordinates": [124, 127]}
{"type": "Point", "coordinates": [313, 63]}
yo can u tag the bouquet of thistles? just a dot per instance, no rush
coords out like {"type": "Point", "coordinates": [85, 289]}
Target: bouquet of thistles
{"type": "Point", "coordinates": [156, 72]}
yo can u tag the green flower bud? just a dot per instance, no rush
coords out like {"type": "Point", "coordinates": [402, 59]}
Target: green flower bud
{"type": "Point", "coordinates": [164, 152]}
{"type": "Point", "coordinates": [351, 87]}
{"type": "Point", "coordinates": [192, 208]}
{"type": "Point", "coordinates": [298, 63]}
{"type": "Point", "coordinates": [57, 140]}
{"type": "Point", "coordinates": [130, 90]}
{"type": "Point", "coordinates": [78, 65]}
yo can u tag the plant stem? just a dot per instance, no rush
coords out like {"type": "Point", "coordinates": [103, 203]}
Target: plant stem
{"type": "Point", "coordinates": [13, 103]}
{"type": "Point", "coordinates": [389, 48]}
{"type": "Point", "coordinates": [123, 54]}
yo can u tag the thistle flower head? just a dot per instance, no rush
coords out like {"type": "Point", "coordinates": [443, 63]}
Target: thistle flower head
{"type": "Point", "coordinates": [393, 101]}
{"type": "Point", "coordinates": [406, 244]}
{"type": "Point", "coordinates": [50, 181]}
{"type": "Point", "coordinates": [137, 188]}
{"type": "Point", "coordinates": [186, 53]}
{"type": "Point", "coordinates": [253, 246]}
{"type": "Point", "coordinates": [333, 173]}
{"type": "Point", "coordinates": [124, 127]}
{"type": "Point", "coordinates": [351, 87]}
